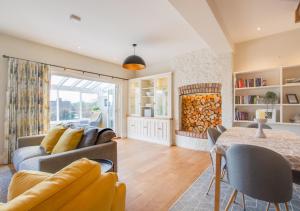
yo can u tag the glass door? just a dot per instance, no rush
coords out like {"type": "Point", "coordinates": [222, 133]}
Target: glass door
{"type": "Point", "coordinates": [134, 98]}
{"type": "Point", "coordinates": [161, 97]}
{"type": "Point", "coordinates": [82, 102]}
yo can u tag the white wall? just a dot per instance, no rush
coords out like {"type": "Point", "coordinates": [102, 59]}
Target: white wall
{"type": "Point", "coordinates": [201, 66]}
{"type": "Point", "coordinates": [25, 49]}
{"type": "Point", "coordinates": [272, 51]}
{"type": "Point", "coordinates": [277, 50]}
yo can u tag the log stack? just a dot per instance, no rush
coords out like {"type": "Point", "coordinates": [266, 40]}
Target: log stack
{"type": "Point", "coordinates": [200, 111]}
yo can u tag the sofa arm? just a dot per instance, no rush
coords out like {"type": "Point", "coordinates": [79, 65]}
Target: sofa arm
{"type": "Point", "coordinates": [27, 141]}
{"type": "Point", "coordinates": [55, 162]}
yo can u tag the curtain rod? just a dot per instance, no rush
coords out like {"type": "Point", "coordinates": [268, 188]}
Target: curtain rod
{"type": "Point", "coordinates": [66, 68]}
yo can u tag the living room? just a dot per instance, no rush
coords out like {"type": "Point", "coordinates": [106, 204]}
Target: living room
{"type": "Point", "coordinates": [105, 106]}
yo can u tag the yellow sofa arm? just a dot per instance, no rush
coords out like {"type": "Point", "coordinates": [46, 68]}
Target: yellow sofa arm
{"type": "Point", "coordinates": [119, 198]}
{"type": "Point", "coordinates": [24, 180]}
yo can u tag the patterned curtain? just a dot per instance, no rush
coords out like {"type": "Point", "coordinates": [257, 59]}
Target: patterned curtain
{"type": "Point", "coordinates": [27, 103]}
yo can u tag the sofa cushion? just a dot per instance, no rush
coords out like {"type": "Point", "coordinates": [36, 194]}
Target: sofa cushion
{"type": "Point", "coordinates": [68, 141]}
{"type": "Point", "coordinates": [25, 153]}
{"type": "Point", "coordinates": [24, 180]}
{"type": "Point", "coordinates": [52, 137]}
{"type": "Point", "coordinates": [58, 189]}
{"type": "Point", "coordinates": [105, 136]}
{"type": "Point", "coordinates": [89, 138]}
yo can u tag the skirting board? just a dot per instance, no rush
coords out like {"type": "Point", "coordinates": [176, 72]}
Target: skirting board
{"type": "Point", "coordinates": [191, 143]}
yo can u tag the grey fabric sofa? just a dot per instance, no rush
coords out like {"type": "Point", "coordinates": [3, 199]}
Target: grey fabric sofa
{"type": "Point", "coordinates": [31, 156]}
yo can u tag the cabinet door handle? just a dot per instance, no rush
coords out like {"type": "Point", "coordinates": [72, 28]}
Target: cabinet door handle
{"type": "Point", "coordinates": [132, 125]}
{"type": "Point", "coordinates": [145, 127]}
{"type": "Point", "coordinates": [159, 128]}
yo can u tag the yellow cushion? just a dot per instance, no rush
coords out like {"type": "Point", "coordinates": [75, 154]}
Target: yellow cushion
{"type": "Point", "coordinates": [24, 180]}
{"type": "Point", "coordinates": [68, 141]}
{"type": "Point", "coordinates": [98, 196]}
{"type": "Point", "coordinates": [58, 189]}
{"type": "Point", "coordinates": [52, 138]}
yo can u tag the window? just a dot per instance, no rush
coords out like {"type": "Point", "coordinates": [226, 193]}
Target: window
{"type": "Point", "coordinates": [82, 102]}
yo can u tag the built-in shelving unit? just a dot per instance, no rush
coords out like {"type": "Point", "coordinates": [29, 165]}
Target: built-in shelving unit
{"type": "Point", "coordinates": [150, 109]}
{"type": "Point", "coordinates": [251, 86]}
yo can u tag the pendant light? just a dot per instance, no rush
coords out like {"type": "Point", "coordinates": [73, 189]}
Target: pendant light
{"type": "Point", "coordinates": [134, 62]}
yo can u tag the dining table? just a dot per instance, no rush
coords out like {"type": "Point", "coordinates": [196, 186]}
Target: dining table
{"type": "Point", "coordinates": [284, 142]}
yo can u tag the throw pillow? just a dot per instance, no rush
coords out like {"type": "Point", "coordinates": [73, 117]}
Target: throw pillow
{"type": "Point", "coordinates": [89, 138]}
{"type": "Point", "coordinates": [68, 141]}
{"type": "Point", "coordinates": [52, 137]}
{"type": "Point", "coordinates": [105, 136]}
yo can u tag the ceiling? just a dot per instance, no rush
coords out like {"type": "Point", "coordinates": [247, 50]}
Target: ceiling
{"type": "Point", "coordinates": [241, 18]}
{"type": "Point", "coordinates": [107, 28]}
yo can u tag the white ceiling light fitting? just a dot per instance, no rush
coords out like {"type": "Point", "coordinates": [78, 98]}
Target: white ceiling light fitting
{"type": "Point", "coordinates": [258, 29]}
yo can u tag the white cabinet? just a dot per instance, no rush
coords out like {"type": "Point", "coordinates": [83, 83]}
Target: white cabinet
{"type": "Point", "coordinates": [150, 109]}
{"type": "Point", "coordinates": [150, 129]}
{"type": "Point", "coordinates": [151, 93]}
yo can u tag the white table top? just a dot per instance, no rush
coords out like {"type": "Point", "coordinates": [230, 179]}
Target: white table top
{"type": "Point", "coordinates": [283, 142]}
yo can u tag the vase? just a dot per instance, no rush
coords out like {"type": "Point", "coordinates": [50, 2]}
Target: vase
{"type": "Point", "coordinates": [260, 131]}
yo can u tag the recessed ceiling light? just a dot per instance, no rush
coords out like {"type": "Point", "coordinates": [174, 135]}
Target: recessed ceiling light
{"type": "Point", "coordinates": [78, 47]}
{"type": "Point", "coordinates": [258, 29]}
{"type": "Point", "coordinates": [75, 18]}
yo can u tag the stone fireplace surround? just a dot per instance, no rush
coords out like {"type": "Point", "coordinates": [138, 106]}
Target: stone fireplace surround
{"type": "Point", "coordinates": [204, 100]}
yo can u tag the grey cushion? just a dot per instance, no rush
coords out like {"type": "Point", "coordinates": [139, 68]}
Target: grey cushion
{"type": "Point", "coordinates": [25, 153]}
{"type": "Point", "coordinates": [105, 136]}
{"type": "Point", "coordinates": [89, 138]}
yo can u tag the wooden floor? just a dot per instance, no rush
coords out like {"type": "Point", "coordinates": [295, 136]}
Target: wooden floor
{"type": "Point", "coordinates": [157, 175]}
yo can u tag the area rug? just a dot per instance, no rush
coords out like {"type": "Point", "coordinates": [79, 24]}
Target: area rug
{"type": "Point", "coordinates": [6, 173]}
{"type": "Point", "coordinates": [195, 198]}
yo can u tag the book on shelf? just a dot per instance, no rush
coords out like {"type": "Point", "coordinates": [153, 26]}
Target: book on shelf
{"type": "Point", "coordinates": [253, 82]}
{"type": "Point", "coordinates": [242, 115]}
{"type": "Point", "coordinates": [249, 99]}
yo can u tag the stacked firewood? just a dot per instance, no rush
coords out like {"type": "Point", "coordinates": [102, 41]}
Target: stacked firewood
{"type": "Point", "coordinates": [199, 112]}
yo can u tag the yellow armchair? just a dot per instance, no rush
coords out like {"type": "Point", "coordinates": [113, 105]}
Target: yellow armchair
{"type": "Point", "coordinates": [79, 186]}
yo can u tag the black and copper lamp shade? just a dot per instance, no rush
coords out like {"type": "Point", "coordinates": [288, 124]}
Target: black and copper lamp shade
{"type": "Point", "coordinates": [134, 62]}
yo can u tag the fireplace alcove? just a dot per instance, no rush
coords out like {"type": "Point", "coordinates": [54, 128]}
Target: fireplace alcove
{"type": "Point", "coordinates": [200, 107]}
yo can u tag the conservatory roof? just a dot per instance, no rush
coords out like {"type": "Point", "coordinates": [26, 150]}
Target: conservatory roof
{"type": "Point", "coordinates": [64, 82]}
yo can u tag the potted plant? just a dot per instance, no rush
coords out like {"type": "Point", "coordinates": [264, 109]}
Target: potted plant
{"type": "Point", "coordinates": [270, 98]}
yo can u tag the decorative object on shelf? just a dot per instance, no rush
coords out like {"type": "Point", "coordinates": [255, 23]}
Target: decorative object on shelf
{"type": "Point", "coordinates": [295, 119]}
{"type": "Point", "coordinates": [134, 62]}
{"type": "Point", "coordinates": [148, 93]}
{"type": "Point", "coordinates": [260, 132]}
{"type": "Point", "coordinates": [269, 114]}
{"type": "Point", "coordinates": [292, 80]}
{"type": "Point", "coordinates": [148, 112]}
{"type": "Point", "coordinates": [270, 98]}
{"type": "Point", "coordinates": [292, 99]}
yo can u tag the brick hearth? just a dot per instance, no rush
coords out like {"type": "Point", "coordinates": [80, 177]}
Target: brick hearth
{"type": "Point", "coordinates": [200, 109]}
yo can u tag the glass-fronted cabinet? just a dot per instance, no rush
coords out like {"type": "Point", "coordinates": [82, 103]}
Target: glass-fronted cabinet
{"type": "Point", "coordinates": [151, 96]}
{"type": "Point", "coordinates": [135, 97]}
{"type": "Point", "coordinates": [161, 97]}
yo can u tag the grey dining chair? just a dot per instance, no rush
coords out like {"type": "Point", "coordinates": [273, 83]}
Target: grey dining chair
{"type": "Point", "coordinates": [259, 173]}
{"type": "Point", "coordinates": [221, 128]}
{"type": "Point", "coordinates": [255, 125]}
{"type": "Point", "coordinates": [213, 135]}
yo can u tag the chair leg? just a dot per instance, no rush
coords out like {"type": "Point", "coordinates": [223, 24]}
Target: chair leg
{"type": "Point", "coordinates": [223, 173]}
{"type": "Point", "coordinates": [286, 206]}
{"type": "Point", "coordinates": [231, 200]}
{"type": "Point", "coordinates": [277, 208]}
{"type": "Point", "coordinates": [212, 179]}
{"type": "Point", "coordinates": [268, 206]}
{"type": "Point", "coordinates": [244, 204]}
